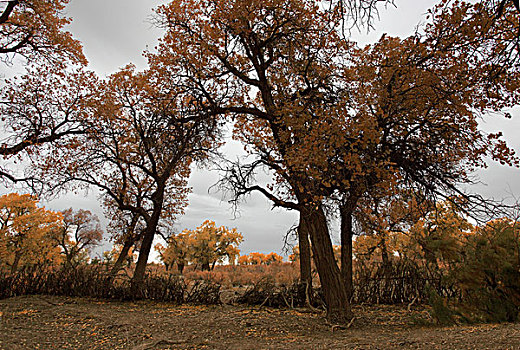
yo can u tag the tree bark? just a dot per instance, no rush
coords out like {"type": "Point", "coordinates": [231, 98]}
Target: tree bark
{"type": "Point", "coordinates": [16, 261]}
{"type": "Point", "coordinates": [180, 267]}
{"type": "Point", "coordinates": [334, 291]}
{"type": "Point", "coordinates": [305, 254]}
{"type": "Point", "coordinates": [146, 244]}
{"type": "Point", "coordinates": [387, 264]}
{"type": "Point", "coordinates": [122, 256]}
{"type": "Point", "coordinates": [346, 249]}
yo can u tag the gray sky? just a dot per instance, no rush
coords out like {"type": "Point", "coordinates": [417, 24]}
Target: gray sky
{"type": "Point", "coordinates": [116, 32]}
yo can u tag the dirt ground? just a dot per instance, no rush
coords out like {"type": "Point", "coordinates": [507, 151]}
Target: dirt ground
{"type": "Point", "coordinates": [46, 322]}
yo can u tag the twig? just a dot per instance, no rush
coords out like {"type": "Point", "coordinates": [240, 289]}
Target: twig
{"type": "Point", "coordinates": [410, 305]}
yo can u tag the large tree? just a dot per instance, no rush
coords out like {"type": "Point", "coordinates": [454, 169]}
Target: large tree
{"type": "Point", "coordinates": [329, 119]}
{"type": "Point", "coordinates": [142, 137]}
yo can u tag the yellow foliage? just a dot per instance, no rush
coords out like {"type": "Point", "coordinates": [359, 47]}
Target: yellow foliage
{"type": "Point", "coordinates": [28, 234]}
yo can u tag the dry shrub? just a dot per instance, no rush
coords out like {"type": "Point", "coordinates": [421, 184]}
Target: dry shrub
{"type": "Point", "coordinates": [94, 281]}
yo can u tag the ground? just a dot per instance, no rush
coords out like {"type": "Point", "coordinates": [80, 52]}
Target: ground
{"type": "Point", "coordinates": [47, 322]}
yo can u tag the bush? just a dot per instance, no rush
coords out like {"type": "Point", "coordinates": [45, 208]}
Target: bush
{"type": "Point", "coordinates": [93, 281]}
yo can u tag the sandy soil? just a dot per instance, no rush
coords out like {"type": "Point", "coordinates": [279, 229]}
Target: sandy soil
{"type": "Point", "coordinates": [46, 322]}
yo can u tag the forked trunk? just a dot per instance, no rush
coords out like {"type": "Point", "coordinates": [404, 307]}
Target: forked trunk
{"type": "Point", "coordinates": [334, 291]}
{"type": "Point", "coordinates": [146, 244]}
{"type": "Point", "coordinates": [205, 266]}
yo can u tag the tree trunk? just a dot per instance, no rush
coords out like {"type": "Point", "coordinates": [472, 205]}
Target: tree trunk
{"type": "Point", "coordinates": [205, 266]}
{"type": "Point", "coordinates": [16, 261]}
{"type": "Point", "coordinates": [346, 249]}
{"type": "Point", "coordinates": [180, 267]}
{"type": "Point", "coordinates": [335, 293]}
{"type": "Point", "coordinates": [305, 255]}
{"type": "Point", "coordinates": [146, 244]}
{"type": "Point", "coordinates": [387, 264]}
{"type": "Point", "coordinates": [122, 256]}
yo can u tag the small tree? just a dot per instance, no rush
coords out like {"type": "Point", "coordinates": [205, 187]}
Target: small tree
{"type": "Point", "coordinates": [27, 233]}
{"type": "Point", "coordinates": [81, 231]}
{"type": "Point", "coordinates": [272, 258]}
{"type": "Point", "coordinates": [210, 244]}
{"type": "Point", "coordinates": [177, 251]}
{"type": "Point", "coordinates": [489, 274]}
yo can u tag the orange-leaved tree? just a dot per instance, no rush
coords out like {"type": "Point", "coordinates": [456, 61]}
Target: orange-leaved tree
{"type": "Point", "coordinates": [330, 119]}
{"type": "Point", "coordinates": [42, 110]}
{"type": "Point", "coordinates": [28, 234]}
{"type": "Point", "coordinates": [143, 135]}
{"type": "Point", "coordinates": [256, 258]}
{"type": "Point", "coordinates": [35, 29]}
{"type": "Point", "coordinates": [210, 244]}
{"type": "Point", "coordinates": [176, 252]}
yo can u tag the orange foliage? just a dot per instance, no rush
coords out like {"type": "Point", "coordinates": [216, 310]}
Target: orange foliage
{"type": "Point", "coordinates": [28, 234]}
{"type": "Point", "coordinates": [35, 29]}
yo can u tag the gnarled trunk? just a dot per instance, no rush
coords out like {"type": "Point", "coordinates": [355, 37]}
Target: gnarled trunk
{"type": "Point", "coordinates": [334, 291]}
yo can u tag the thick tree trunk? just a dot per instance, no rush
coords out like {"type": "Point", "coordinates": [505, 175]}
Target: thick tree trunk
{"type": "Point", "coordinates": [334, 291]}
{"type": "Point", "coordinates": [146, 244]}
{"type": "Point", "coordinates": [346, 249]}
{"type": "Point", "coordinates": [305, 255]}
{"type": "Point", "coordinates": [122, 256]}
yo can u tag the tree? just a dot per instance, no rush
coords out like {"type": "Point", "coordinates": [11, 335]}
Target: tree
{"type": "Point", "coordinates": [177, 251]}
{"type": "Point", "coordinates": [80, 232]}
{"type": "Point", "coordinates": [116, 254]}
{"type": "Point", "coordinates": [256, 258]}
{"type": "Point", "coordinates": [40, 111]}
{"type": "Point", "coordinates": [328, 118]}
{"type": "Point", "coordinates": [125, 229]}
{"type": "Point", "coordinates": [272, 258]}
{"type": "Point", "coordinates": [143, 136]}
{"type": "Point", "coordinates": [35, 29]}
{"type": "Point", "coordinates": [488, 270]}
{"type": "Point", "coordinates": [27, 233]}
{"type": "Point", "coordinates": [209, 244]}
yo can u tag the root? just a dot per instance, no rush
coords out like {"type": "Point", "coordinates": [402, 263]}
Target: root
{"type": "Point", "coordinates": [307, 299]}
{"type": "Point", "coordinates": [343, 327]}
{"type": "Point", "coordinates": [410, 305]}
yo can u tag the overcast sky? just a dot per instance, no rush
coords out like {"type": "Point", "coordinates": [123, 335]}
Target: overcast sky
{"type": "Point", "coordinates": [116, 32]}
